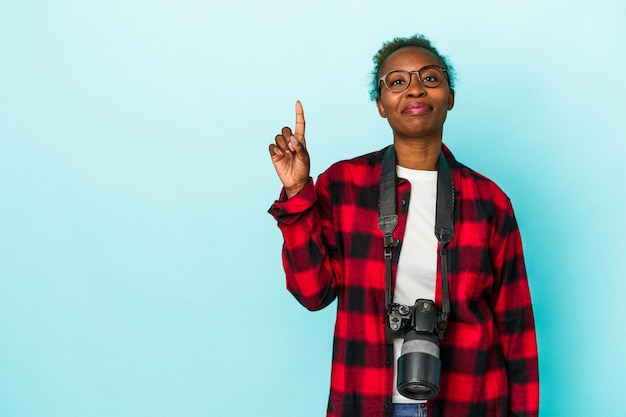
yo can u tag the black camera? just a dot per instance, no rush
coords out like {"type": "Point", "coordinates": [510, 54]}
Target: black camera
{"type": "Point", "coordinates": [422, 326]}
{"type": "Point", "coordinates": [419, 364]}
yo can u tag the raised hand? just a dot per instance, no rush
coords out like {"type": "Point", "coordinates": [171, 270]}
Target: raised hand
{"type": "Point", "coordinates": [290, 157]}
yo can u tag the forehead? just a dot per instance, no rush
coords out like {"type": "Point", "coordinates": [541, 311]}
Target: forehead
{"type": "Point", "coordinates": [410, 58]}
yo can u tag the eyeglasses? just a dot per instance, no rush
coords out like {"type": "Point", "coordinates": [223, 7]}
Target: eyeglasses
{"type": "Point", "coordinates": [397, 81]}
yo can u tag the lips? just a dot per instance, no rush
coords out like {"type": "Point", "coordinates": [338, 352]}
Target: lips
{"type": "Point", "coordinates": [417, 108]}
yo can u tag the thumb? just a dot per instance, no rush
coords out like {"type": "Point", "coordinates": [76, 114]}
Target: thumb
{"type": "Point", "coordinates": [295, 145]}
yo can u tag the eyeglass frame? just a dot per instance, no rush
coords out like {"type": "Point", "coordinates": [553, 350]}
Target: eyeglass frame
{"type": "Point", "coordinates": [444, 71]}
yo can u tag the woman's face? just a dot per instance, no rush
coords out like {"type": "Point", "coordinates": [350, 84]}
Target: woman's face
{"type": "Point", "coordinates": [417, 112]}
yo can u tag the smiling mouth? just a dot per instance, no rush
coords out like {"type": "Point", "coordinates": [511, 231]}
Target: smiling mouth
{"type": "Point", "coordinates": [417, 108]}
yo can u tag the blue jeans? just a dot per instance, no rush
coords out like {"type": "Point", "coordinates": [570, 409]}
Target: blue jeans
{"type": "Point", "coordinates": [409, 410]}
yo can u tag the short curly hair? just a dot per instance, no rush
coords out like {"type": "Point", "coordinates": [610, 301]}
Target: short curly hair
{"type": "Point", "coordinates": [392, 46]}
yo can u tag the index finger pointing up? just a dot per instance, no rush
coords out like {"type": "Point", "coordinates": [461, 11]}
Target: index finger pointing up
{"type": "Point", "coordinates": [299, 133]}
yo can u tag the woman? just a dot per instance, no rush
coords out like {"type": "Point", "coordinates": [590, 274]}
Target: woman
{"type": "Point", "coordinates": [334, 249]}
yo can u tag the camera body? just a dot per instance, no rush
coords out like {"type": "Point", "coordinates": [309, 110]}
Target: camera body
{"type": "Point", "coordinates": [419, 364]}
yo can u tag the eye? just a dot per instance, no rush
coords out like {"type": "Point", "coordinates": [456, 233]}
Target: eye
{"type": "Point", "coordinates": [431, 76]}
{"type": "Point", "coordinates": [396, 80]}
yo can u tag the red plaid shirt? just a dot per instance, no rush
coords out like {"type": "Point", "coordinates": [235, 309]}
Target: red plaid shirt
{"type": "Point", "coordinates": [334, 250]}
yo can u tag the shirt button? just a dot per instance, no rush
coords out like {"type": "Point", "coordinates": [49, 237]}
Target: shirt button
{"type": "Point", "coordinates": [403, 202]}
{"type": "Point", "coordinates": [386, 405]}
{"type": "Point", "coordinates": [387, 363]}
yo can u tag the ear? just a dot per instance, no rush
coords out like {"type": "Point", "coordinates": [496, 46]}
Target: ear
{"type": "Point", "coordinates": [381, 108]}
{"type": "Point", "coordinates": [451, 99]}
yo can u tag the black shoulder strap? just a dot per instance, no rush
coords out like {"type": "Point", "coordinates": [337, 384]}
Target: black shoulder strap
{"type": "Point", "coordinates": [444, 230]}
{"type": "Point", "coordinates": [444, 222]}
{"type": "Point", "coordinates": [388, 217]}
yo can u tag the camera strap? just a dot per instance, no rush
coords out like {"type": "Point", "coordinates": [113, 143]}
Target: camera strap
{"type": "Point", "coordinates": [444, 224]}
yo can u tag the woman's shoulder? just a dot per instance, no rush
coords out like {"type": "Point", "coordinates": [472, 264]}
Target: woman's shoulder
{"type": "Point", "coordinates": [477, 187]}
{"type": "Point", "coordinates": [365, 167]}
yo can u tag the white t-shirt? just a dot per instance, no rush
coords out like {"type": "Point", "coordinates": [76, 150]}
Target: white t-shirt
{"type": "Point", "coordinates": [416, 276]}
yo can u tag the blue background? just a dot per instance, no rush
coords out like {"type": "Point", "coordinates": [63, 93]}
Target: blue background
{"type": "Point", "coordinates": [140, 274]}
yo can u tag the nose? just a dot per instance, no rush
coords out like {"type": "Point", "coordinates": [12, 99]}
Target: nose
{"type": "Point", "coordinates": [415, 87]}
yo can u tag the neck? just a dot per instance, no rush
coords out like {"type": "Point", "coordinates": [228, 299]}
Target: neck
{"type": "Point", "coordinates": [418, 155]}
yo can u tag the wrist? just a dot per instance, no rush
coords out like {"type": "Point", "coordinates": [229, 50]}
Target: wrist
{"type": "Point", "coordinates": [292, 191]}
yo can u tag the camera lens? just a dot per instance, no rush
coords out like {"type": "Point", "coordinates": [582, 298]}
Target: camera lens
{"type": "Point", "coordinates": [419, 391]}
{"type": "Point", "coordinates": [419, 367]}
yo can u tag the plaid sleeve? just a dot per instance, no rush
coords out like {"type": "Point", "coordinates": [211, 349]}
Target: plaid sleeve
{"type": "Point", "coordinates": [514, 316]}
{"type": "Point", "coordinates": [306, 260]}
